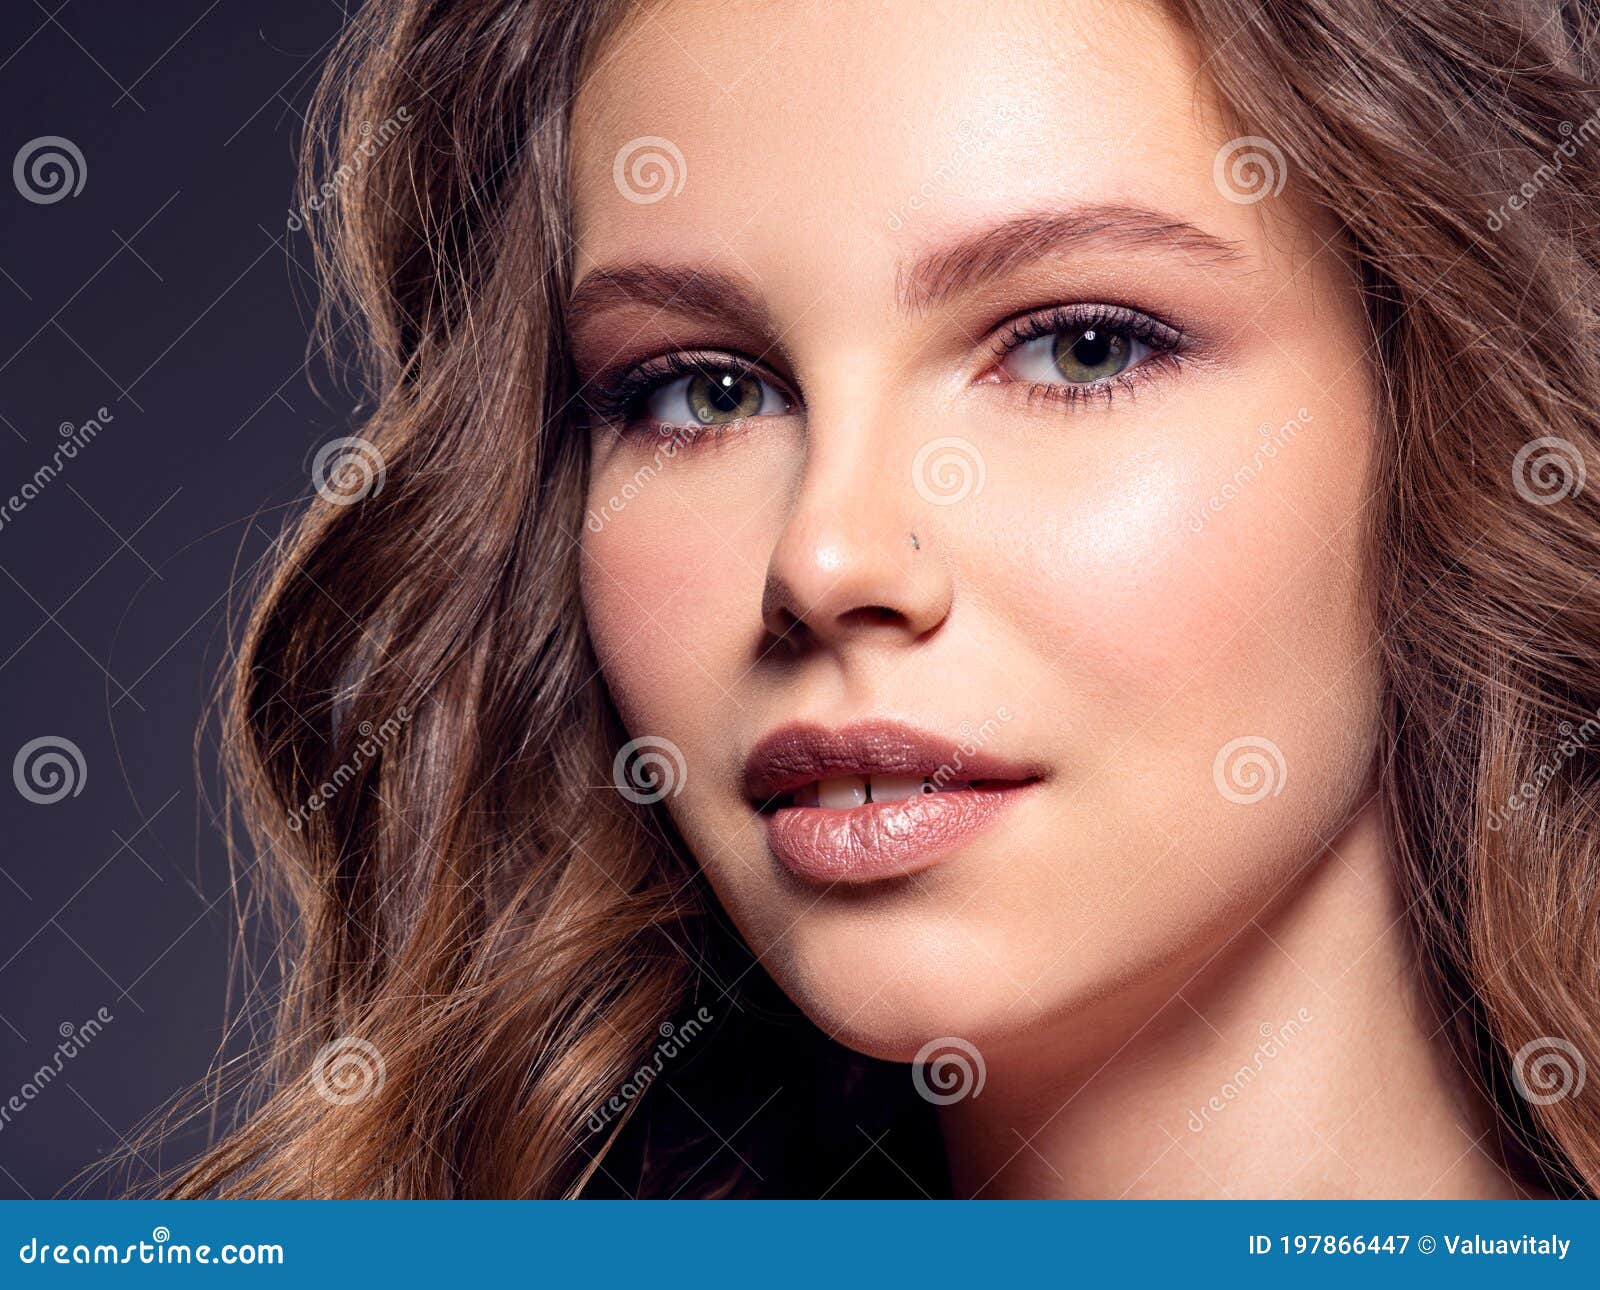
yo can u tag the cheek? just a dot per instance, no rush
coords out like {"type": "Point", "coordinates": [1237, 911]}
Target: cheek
{"type": "Point", "coordinates": [671, 584]}
{"type": "Point", "coordinates": [1201, 592]}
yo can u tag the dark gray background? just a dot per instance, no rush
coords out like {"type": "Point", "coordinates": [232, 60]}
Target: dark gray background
{"type": "Point", "coordinates": [170, 292]}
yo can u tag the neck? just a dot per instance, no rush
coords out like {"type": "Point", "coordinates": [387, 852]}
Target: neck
{"type": "Point", "coordinates": [1299, 1060]}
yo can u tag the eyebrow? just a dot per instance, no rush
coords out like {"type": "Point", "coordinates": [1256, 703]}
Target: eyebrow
{"type": "Point", "coordinates": [705, 292]}
{"type": "Point", "coordinates": [931, 279]}
{"type": "Point", "coordinates": [989, 252]}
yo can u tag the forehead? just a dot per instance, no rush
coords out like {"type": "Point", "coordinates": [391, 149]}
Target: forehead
{"type": "Point", "coordinates": [742, 129]}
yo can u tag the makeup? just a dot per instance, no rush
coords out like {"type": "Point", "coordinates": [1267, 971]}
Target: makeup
{"type": "Point", "coordinates": [875, 799]}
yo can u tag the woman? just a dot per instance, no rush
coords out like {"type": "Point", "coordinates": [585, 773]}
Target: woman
{"type": "Point", "coordinates": [1042, 541]}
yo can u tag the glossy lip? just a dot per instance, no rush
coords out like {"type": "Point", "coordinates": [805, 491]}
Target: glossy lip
{"type": "Point", "coordinates": [880, 839]}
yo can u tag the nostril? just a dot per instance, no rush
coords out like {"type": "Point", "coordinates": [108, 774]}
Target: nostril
{"type": "Point", "coordinates": [785, 627]}
{"type": "Point", "coordinates": [872, 616]}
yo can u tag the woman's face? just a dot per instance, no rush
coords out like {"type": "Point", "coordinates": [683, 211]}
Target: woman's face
{"type": "Point", "coordinates": [974, 434]}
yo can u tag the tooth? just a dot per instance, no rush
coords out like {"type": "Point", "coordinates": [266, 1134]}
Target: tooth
{"type": "Point", "coordinates": [806, 794]}
{"type": "Point", "coordinates": [842, 794]}
{"type": "Point", "coordinates": [895, 788]}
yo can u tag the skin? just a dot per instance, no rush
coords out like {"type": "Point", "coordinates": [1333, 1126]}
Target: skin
{"type": "Point", "coordinates": [1120, 946]}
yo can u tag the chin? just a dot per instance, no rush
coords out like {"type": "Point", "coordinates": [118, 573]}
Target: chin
{"type": "Point", "coordinates": [888, 987]}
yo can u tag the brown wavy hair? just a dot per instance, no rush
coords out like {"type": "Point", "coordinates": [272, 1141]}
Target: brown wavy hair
{"type": "Point", "coordinates": [493, 944]}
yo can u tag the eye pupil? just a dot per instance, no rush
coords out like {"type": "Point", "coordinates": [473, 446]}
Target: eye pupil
{"type": "Point", "coordinates": [1090, 353]}
{"type": "Point", "coordinates": [723, 396]}
{"type": "Point", "coordinates": [1092, 348]}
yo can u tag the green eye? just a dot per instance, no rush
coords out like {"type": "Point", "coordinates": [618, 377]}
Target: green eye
{"type": "Point", "coordinates": [711, 397]}
{"type": "Point", "coordinates": [1089, 353]}
{"type": "Point", "coordinates": [1082, 352]}
{"type": "Point", "coordinates": [720, 397]}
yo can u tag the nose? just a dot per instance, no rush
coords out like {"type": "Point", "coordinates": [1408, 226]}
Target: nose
{"type": "Point", "coordinates": [858, 556]}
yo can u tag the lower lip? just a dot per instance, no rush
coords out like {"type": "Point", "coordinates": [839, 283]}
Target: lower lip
{"type": "Point", "coordinates": [883, 839]}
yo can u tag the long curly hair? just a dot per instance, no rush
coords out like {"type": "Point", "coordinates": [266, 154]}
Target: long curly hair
{"type": "Point", "coordinates": [488, 946]}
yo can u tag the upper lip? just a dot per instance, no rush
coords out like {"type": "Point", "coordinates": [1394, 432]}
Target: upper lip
{"type": "Point", "coordinates": [797, 754]}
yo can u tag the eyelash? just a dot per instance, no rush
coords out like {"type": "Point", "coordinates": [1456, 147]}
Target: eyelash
{"type": "Point", "coordinates": [614, 401]}
{"type": "Point", "coordinates": [1168, 346]}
